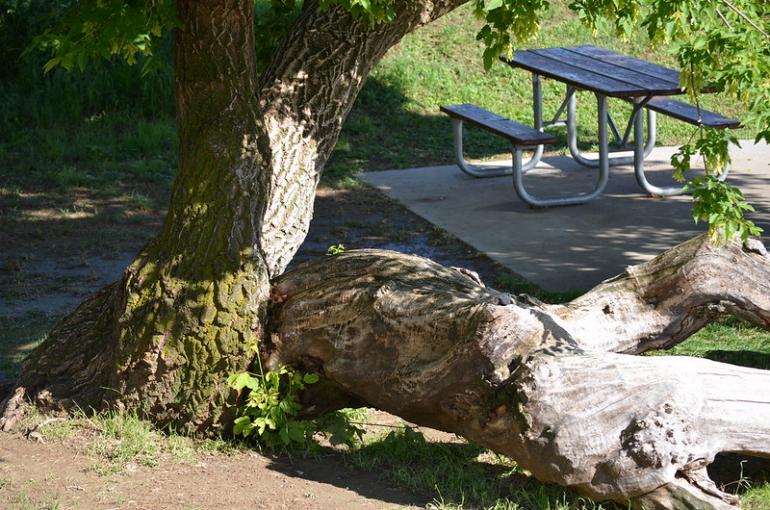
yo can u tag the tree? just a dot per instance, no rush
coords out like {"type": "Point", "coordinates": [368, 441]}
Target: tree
{"type": "Point", "coordinates": [199, 298]}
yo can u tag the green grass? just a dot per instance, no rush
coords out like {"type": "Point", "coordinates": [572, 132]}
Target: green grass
{"type": "Point", "coordinates": [119, 440]}
{"type": "Point", "coordinates": [513, 284]}
{"type": "Point", "coordinates": [461, 475]}
{"type": "Point", "coordinates": [757, 498]}
{"type": "Point", "coordinates": [110, 125]}
{"type": "Point", "coordinates": [729, 341]}
{"type": "Point", "coordinates": [123, 438]}
{"type": "Point", "coordinates": [95, 154]}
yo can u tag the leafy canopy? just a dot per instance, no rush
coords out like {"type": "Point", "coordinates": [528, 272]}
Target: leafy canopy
{"type": "Point", "coordinates": [720, 44]}
{"type": "Point", "coordinates": [95, 29]}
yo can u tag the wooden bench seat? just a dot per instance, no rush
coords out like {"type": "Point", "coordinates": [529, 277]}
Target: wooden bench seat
{"type": "Point", "coordinates": [518, 134]}
{"type": "Point", "coordinates": [689, 113]}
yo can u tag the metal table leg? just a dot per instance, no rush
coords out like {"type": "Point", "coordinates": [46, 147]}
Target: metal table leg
{"type": "Point", "coordinates": [639, 157]}
{"type": "Point", "coordinates": [473, 170]}
{"type": "Point", "coordinates": [537, 113]}
{"type": "Point", "coordinates": [601, 181]}
{"type": "Point", "coordinates": [615, 161]}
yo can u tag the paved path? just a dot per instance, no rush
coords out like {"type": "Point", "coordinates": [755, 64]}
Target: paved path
{"type": "Point", "coordinates": [568, 247]}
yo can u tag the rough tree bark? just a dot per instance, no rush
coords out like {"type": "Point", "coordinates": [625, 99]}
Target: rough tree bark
{"type": "Point", "coordinates": [556, 387]}
{"type": "Point", "coordinates": [163, 339]}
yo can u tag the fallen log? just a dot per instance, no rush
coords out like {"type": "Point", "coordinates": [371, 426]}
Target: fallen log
{"type": "Point", "coordinates": [559, 388]}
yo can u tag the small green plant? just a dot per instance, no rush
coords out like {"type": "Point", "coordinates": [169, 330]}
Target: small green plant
{"type": "Point", "coordinates": [342, 427]}
{"type": "Point", "coordinates": [723, 207]}
{"type": "Point", "coordinates": [271, 406]}
{"type": "Point", "coordinates": [715, 202]}
{"type": "Point", "coordinates": [335, 249]}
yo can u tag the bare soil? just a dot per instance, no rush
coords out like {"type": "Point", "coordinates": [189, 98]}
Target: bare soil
{"type": "Point", "coordinates": [34, 475]}
{"type": "Point", "coordinates": [54, 250]}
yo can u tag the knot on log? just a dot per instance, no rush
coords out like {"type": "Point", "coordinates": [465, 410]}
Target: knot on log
{"type": "Point", "coordinates": [660, 438]}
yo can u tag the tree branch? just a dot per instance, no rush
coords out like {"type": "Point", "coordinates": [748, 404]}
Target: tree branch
{"type": "Point", "coordinates": [660, 303]}
{"type": "Point", "coordinates": [743, 15]}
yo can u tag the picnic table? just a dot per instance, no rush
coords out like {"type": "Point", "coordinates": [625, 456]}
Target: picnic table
{"type": "Point", "coordinates": [607, 74]}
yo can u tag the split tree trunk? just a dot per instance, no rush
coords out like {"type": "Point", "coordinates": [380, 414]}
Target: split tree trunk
{"type": "Point", "coordinates": [555, 387]}
{"type": "Point", "coordinates": [187, 312]}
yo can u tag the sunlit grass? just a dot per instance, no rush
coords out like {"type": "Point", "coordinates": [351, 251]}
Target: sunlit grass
{"type": "Point", "coordinates": [461, 475]}
{"type": "Point", "coordinates": [729, 341]}
{"type": "Point", "coordinates": [121, 441]}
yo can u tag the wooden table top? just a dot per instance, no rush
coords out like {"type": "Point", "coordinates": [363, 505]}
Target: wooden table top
{"type": "Point", "coordinates": [600, 70]}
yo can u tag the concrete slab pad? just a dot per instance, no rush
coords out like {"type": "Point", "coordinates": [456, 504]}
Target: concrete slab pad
{"type": "Point", "coordinates": [574, 247]}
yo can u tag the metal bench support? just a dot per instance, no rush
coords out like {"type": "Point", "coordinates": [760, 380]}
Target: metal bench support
{"type": "Point", "coordinates": [613, 161]}
{"type": "Point", "coordinates": [602, 163]}
{"type": "Point", "coordinates": [641, 177]}
{"type": "Point", "coordinates": [482, 171]}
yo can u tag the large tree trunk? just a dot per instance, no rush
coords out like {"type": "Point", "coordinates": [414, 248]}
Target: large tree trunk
{"type": "Point", "coordinates": [186, 313]}
{"type": "Point", "coordinates": [552, 386]}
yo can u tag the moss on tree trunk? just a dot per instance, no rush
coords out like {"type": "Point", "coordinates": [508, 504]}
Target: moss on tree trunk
{"type": "Point", "coordinates": [187, 312]}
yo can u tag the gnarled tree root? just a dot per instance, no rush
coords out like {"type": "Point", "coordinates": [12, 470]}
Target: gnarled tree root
{"type": "Point", "coordinates": [12, 408]}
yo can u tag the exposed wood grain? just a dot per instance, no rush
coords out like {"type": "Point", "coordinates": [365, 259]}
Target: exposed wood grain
{"type": "Point", "coordinates": [557, 388]}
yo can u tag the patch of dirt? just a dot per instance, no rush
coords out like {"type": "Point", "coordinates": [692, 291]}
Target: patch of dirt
{"type": "Point", "coordinates": [52, 475]}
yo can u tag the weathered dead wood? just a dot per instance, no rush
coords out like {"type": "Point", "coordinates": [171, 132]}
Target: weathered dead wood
{"type": "Point", "coordinates": [662, 302]}
{"type": "Point", "coordinates": [552, 386]}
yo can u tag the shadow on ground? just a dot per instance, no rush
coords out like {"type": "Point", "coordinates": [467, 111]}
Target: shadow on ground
{"type": "Point", "coordinates": [331, 469]}
{"type": "Point", "coordinates": [750, 359]}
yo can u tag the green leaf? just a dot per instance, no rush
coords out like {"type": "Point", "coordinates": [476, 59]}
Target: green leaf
{"type": "Point", "coordinates": [239, 424]}
{"type": "Point", "coordinates": [239, 381]}
{"type": "Point", "coordinates": [296, 432]}
{"type": "Point", "coordinates": [284, 434]}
